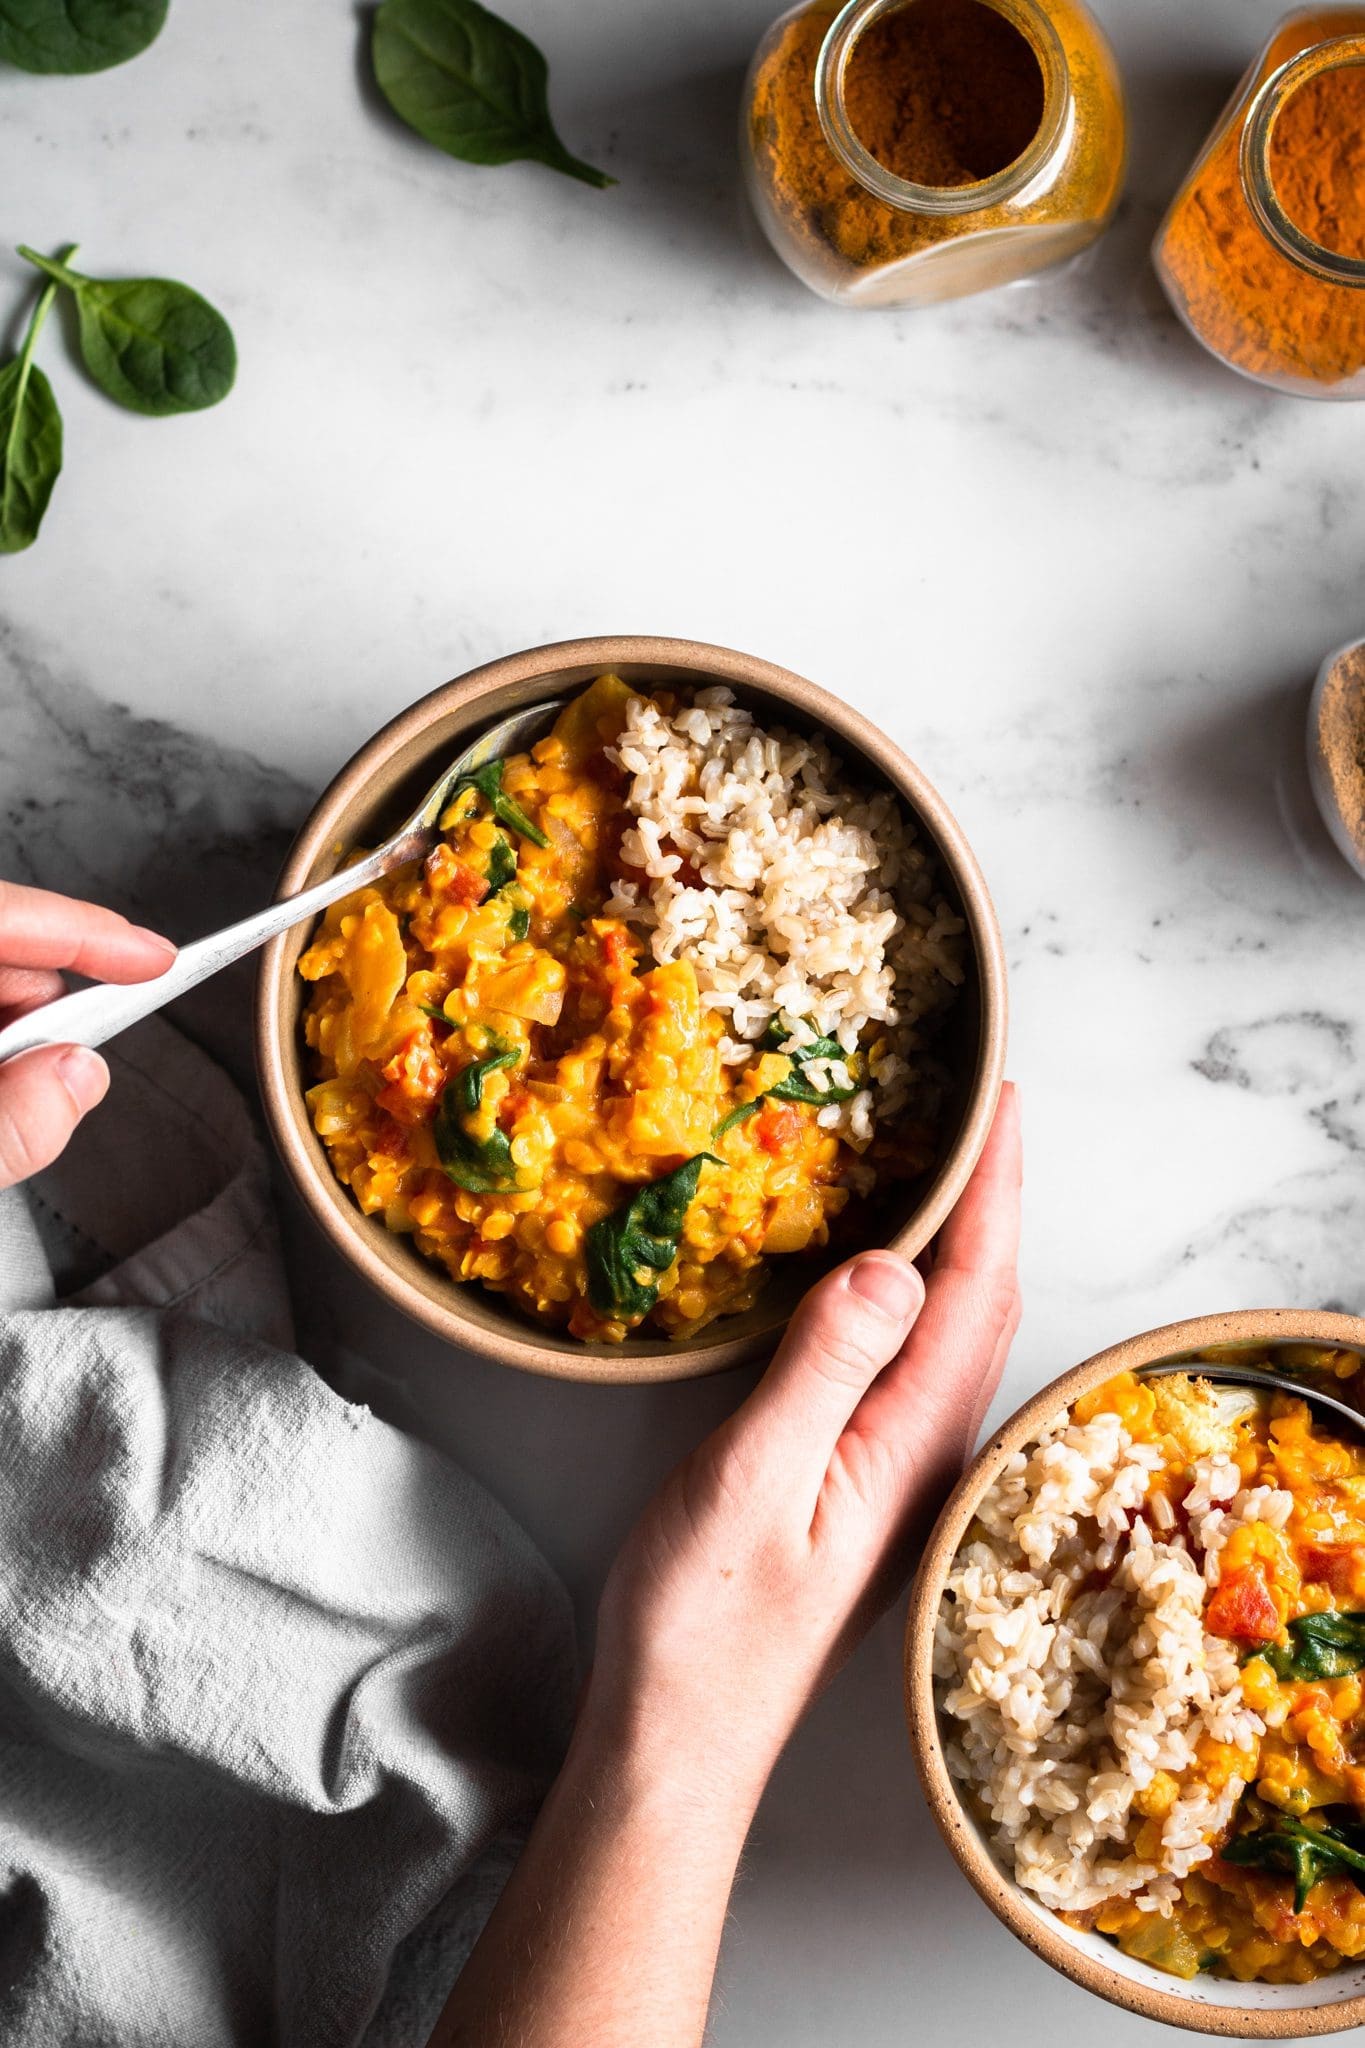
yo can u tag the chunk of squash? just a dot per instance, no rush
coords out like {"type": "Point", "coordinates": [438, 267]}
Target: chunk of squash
{"type": "Point", "coordinates": [593, 720]}
{"type": "Point", "coordinates": [375, 965]}
{"type": "Point", "coordinates": [533, 989]}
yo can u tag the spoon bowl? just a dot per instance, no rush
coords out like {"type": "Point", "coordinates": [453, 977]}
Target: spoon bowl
{"type": "Point", "coordinates": [1248, 1376]}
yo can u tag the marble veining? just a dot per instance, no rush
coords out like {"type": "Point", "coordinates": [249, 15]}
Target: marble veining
{"type": "Point", "coordinates": [1081, 573]}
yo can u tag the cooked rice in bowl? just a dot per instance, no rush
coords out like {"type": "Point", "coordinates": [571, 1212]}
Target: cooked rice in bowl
{"type": "Point", "coordinates": [1129, 1669]}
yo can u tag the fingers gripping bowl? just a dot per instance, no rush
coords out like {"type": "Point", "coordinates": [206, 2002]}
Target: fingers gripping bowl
{"type": "Point", "coordinates": [1134, 1669]}
{"type": "Point", "coordinates": [725, 1050]}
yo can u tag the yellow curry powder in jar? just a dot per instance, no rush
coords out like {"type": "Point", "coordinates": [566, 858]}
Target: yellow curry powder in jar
{"type": "Point", "coordinates": [1262, 253]}
{"type": "Point", "coordinates": [902, 152]}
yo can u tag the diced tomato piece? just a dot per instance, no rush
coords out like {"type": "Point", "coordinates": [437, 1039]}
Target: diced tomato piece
{"type": "Point", "coordinates": [778, 1126]}
{"type": "Point", "coordinates": [616, 950]}
{"type": "Point", "coordinates": [414, 1077]}
{"type": "Point", "coordinates": [515, 1103]}
{"type": "Point", "coordinates": [1242, 1608]}
{"type": "Point", "coordinates": [1329, 1565]}
{"type": "Point", "coordinates": [391, 1138]}
{"type": "Point", "coordinates": [454, 877]}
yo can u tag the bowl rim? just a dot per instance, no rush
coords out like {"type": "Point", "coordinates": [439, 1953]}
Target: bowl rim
{"type": "Point", "coordinates": [332, 1207]}
{"type": "Point", "coordinates": [1038, 1931]}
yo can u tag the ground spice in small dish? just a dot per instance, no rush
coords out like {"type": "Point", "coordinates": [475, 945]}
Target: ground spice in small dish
{"type": "Point", "coordinates": [944, 95]}
{"type": "Point", "coordinates": [945, 92]}
{"type": "Point", "coordinates": [1317, 156]}
{"type": "Point", "coordinates": [1247, 298]}
{"type": "Point", "coordinates": [1340, 742]}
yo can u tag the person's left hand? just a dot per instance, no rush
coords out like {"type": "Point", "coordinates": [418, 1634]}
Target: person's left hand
{"type": "Point", "coordinates": [44, 1094]}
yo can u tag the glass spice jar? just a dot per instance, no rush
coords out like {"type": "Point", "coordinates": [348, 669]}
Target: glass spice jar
{"type": "Point", "coordinates": [902, 152]}
{"type": "Point", "coordinates": [1262, 253]}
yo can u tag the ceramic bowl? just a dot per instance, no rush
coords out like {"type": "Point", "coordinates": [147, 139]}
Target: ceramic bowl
{"type": "Point", "coordinates": [371, 795]}
{"type": "Point", "coordinates": [1208, 2005]}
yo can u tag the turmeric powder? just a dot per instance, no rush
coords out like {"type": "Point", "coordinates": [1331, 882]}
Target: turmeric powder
{"type": "Point", "coordinates": [1245, 297]}
{"type": "Point", "coordinates": [942, 94]}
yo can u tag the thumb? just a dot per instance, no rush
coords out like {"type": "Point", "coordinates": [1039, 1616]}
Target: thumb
{"type": "Point", "coordinates": [846, 1330]}
{"type": "Point", "coordinates": [43, 1096]}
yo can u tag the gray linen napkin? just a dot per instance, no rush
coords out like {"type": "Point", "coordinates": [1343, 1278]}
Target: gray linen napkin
{"type": "Point", "coordinates": [274, 1678]}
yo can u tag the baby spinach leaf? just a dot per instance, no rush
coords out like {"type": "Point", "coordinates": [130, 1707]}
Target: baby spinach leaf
{"type": "Point", "coordinates": [437, 1016]}
{"type": "Point", "coordinates": [483, 1166]}
{"type": "Point", "coordinates": [1320, 1646]}
{"type": "Point", "coordinates": [469, 82]}
{"type": "Point", "coordinates": [71, 36]}
{"type": "Point", "coordinates": [796, 1086]}
{"type": "Point", "coordinates": [30, 439]}
{"type": "Point", "coordinates": [150, 344]}
{"type": "Point", "coordinates": [502, 873]}
{"type": "Point", "coordinates": [740, 1114]}
{"type": "Point", "coordinates": [502, 864]}
{"type": "Point", "coordinates": [638, 1239]}
{"type": "Point", "coordinates": [1291, 1848]}
{"type": "Point", "coordinates": [488, 782]}
{"type": "Point", "coordinates": [779, 1030]}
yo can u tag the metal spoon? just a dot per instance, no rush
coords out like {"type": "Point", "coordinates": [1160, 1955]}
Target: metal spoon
{"type": "Point", "coordinates": [92, 1015]}
{"type": "Point", "coordinates": [1249, 1376]}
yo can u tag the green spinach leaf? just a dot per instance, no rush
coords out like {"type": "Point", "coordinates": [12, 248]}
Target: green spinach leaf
{"type": "Point", "coordinates": [470, 83]}
{"type": "Point", "coordinates": [488, 782]}
{"type": "Point", "coordinates": [797, 1086]}
{"type": "Point", "coordinates": [1293, 1848]}
{"type": "Point", "coordinates": [502, 873]}
{"type": "Point", "coordinates": [483, 1166]}
{"type": "Point", "coordinates": [502, 864]}
{"type": "Point", "coordinates": [639, 1239]}
{"type": "Point", "coordinates": [151, 345]}
{"type": "Point", "coordinates": [73, 36]}
{"type": "Point", "coordinates": [1320, 1646]}
{"type": "Point", "coordinates": [30, 439]}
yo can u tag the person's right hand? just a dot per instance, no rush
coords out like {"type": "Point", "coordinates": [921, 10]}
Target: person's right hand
{"type": "Point", "coordinates": [765, 1558]}
{"type": "Point", "coordinates": [44, 1094]}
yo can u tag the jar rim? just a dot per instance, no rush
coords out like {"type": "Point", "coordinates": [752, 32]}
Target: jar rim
{"type": "Point", "coordinates": [831, 70]}
{"type": "Point", "coordinates": [1330, 266]}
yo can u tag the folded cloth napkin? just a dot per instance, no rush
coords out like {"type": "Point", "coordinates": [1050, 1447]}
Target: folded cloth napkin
{"type": "Point", "coordinates": [274, 1678]}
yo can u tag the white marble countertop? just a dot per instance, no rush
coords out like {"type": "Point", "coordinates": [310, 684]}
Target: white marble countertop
{"type": "Point", "coordinates": [1083, 574]}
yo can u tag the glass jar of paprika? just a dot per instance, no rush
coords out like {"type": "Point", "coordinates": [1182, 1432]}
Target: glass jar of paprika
{"type": "Point", "coordinates": [901, 152]}
{"type": "Point", "coordinates": [1263, 251]}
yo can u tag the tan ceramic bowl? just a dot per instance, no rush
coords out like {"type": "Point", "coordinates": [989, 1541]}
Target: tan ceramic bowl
{"type": "Point", "coordinates": [370, 797]}
{"type": "Point", "coordinates": [1275, 2012]}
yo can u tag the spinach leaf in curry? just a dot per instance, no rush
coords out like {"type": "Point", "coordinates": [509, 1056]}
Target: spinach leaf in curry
{"type": "Point", "coordinates": [796, 1086]}
{"type": "Point", "coordinates": [1294, 1848]}
{"type": "Point", "coordinates": [483, 1166]}
{"type": "Point", "coordinates": [487, 780]}
{"type": "Point", "coordinates": [639, 1239]}
{"type": "Point", "coordinates": [1320, 1646]}
{"type": "Point", "coordinates": [502, 873]}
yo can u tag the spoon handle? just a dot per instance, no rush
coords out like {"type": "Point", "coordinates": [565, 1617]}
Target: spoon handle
{"type": "Point", "coordinates": [92, 1015]}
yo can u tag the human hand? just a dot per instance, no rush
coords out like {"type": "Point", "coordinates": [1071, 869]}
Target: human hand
{"type": "Point", "coordinates": [44, 1094]}
{"type": "Point", "coordinates": [768, 1554]}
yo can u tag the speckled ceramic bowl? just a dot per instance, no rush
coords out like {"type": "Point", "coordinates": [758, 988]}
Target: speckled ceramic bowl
{"type": "Point", "coordinates": [1209, 2005]}
{"type": "Point", "coordinates": [371, 795]}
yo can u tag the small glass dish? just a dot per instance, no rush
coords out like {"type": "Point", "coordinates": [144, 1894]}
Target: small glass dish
{"type": "Point", "coordinates": [858, 233]}
{"type": "Point", "coordinates": [1248, 280]}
